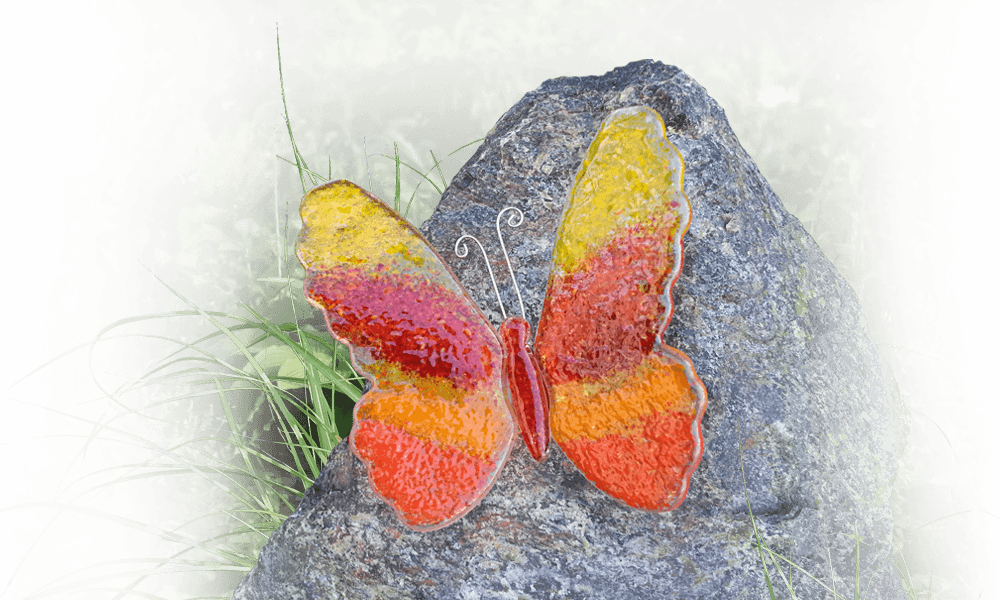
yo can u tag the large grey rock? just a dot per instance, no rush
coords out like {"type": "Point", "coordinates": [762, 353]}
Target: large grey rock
{"type": "Point", "coordinates": [775, 333]}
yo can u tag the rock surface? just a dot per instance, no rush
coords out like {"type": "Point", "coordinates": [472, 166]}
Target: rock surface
{"type": "Point", "coordinates": [776, 334]}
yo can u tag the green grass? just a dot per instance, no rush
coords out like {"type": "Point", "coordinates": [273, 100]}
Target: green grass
{"type": "Point", "coordinates": [284, 394]}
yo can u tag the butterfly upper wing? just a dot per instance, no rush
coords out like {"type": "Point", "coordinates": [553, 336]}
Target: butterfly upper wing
{"type": "Point", "coordinates": [625, 409]}
{"type": "Point", "coordinates": [433, 430]}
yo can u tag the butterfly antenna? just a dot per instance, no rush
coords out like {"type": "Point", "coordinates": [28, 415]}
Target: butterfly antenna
{"type": "Point", "coordinates": [514, 220]}
{"type": "Point", "coordinates": [462, 250]}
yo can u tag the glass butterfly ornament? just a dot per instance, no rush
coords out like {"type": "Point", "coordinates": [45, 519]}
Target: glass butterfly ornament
{"type": "Point", "coordinates": [438, 422]}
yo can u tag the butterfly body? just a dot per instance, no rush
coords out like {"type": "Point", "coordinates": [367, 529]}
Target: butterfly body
{"type": "Point", "coordinates": [438, 423]}
{"type": "Point", "coordinates": [526, 387]}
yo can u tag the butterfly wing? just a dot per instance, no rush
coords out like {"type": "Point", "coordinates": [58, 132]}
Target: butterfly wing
{"type": "Point", "coordinates": [434, 430]}
{"type": "Point", "coordinates": [625, 408]}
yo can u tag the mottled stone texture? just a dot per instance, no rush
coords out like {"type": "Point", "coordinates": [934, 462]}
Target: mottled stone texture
{"type": "Point", "coordinates": [776, 334]}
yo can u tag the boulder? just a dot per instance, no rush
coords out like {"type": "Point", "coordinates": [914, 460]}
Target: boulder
{"type": "Point", "coordinates": [804, 419]}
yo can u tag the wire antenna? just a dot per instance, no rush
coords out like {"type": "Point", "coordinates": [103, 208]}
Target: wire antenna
{"type": "Point", "coordinates": [515, 220]}
{"type": "Point", "coordinates": [462, 250]}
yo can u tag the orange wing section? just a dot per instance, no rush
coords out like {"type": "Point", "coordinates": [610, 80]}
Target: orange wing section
{"type": "Point", "coordinates": [434, 430]}
{"type": "Point", "coordinates": [625, 408]}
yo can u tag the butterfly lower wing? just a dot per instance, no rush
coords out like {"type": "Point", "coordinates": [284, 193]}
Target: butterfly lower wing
{"type": "Point", "coordinates": [626, 409]}
{"type": "Point", "coordinates": [433, 431]}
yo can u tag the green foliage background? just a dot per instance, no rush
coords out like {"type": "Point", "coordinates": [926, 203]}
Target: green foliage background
{"type": "Point", "coordinates": [852, 110]}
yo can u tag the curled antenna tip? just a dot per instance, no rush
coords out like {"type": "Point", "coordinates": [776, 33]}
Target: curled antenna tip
{"type": "Point", "coordinates": [515, 220]}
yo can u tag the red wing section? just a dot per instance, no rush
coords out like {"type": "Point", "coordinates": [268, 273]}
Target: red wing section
{"type": "Point", "coordinates": [625, 409]}
{"type": "Point", "coordinates": [434, 430]}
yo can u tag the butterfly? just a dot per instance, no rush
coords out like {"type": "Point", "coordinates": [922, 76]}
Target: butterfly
{"type": "Point", "coordinates": [448, 393]}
